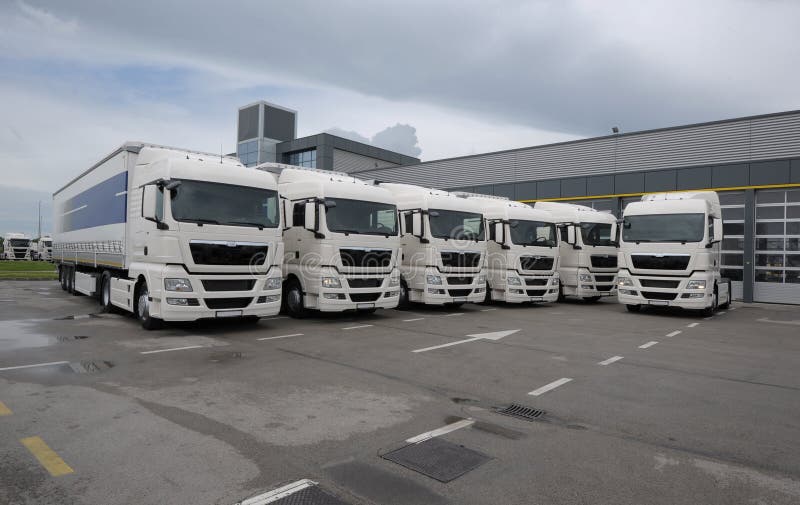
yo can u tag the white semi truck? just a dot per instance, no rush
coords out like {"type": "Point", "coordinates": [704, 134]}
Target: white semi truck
{"type": "Point", "coordinates": [444, 246]}
{"type": "Point", "coordinates": [670, 252]}
{"type": "Point", "coordinates": [522, 251]}
{"type": "Point", "coordinates": [341, 240]}
{"type": "Point", "coordinates": [44, 248]}
{"type": "Point", "coordinates": [588, 250]}
{"type": "Point", "coordinates": [16, 246]}
{"type": "Point", "coordinates": [171, 235]}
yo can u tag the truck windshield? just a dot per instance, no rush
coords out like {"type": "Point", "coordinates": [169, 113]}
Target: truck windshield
{"type": "Point", "coordinates": [456, 225]}
{"type": "Point", "coordinates": [18, 242]}
{"type": "Point", "coordinates": [225, 204]}
{"type": "Point", "coordinates": [533, 233]}
{"type": "Point", "coordinates": [597, 234]}
{"type": "Point", "coordinates": [362, 217]}
{"type": "Point", "coordinates": [664, 228]}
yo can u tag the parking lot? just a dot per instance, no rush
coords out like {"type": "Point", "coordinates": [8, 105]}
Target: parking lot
{"type": "Point", "coordinates": [653, 408]}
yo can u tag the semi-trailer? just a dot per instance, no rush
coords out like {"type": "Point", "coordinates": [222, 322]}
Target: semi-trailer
{"type": "Point", "coordinates": [444, 246]}
{"type": "Point", "coordinates": [171, 235]}
{"type": "Point", "coordinates": [588, 250]}
{"type": "Point", "coordinates": [522, 251]}
{"type": "Point", "coordinates": [670, 253]}
{"type": "Point", "coordinates": [342, 246]}
{"type": "Point", "coordinates": [16, 246]}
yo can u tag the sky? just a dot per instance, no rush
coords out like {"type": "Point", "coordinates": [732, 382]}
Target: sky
{"type": "Point", "coordinates": [430, 78]}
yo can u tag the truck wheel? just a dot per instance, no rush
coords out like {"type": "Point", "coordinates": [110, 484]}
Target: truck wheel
{"type": "Point", "coordinates": [591, 299]}
{"type": "Point", "coordinates": [294, 300]}
{"type": "Point", "coordinates": [62, 277]}
{"type": "Point", "coordinates": [633, 308]}
{"type": "Point", "coordinates": [105, 293]}
{"type": "Point", "coordinates": [709, 311]}
{"type": "Point", "coordinates": [560, 292]}
{"type": "Point", "coordinates": [403, 302]}
{"type": "Point", "coordinates": [487, 300]}
{"type": "Point", "coordinates": [727, 303]}
{"type": "Point", "coordinates": [72, 272]}
{"type": "Point", "coordinates": [143, 310]}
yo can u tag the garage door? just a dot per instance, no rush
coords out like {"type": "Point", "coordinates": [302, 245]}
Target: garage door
{"type": "Point", "coordinates": [732, 203]}
{"type": "Point", "coordinates": [777, 261]}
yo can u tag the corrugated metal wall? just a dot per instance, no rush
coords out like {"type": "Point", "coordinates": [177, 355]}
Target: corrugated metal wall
{"type": "Point", "coordinates": [345, 161]}
{"type": "Point", "coordinates": [747, 139]}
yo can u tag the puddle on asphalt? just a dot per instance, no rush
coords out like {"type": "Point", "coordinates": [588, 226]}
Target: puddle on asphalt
{"type": "Point", "coordinates": [23, 334]}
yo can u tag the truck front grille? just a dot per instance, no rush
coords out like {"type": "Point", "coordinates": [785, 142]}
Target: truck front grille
{"type": "Point", "coordinates": [459, 292]}
{"type": "Point", "coordinates": [536, 282]}
{"type": "Point", "coordinates": [650, 262]}
{"type": "Point", "coordinates": [603, 278]}
{"type": "Point", "coordinates": [364, 297]}
{"type": "Point", "coordinates": [228, 303]}
{"type": "Point", "coordinates": [658, 283]}
{"type": "Point", "coordinates": [536, 292]}
{"type": "Point", "coordinates": [461, 259]}
{"type": "Point", "coordinates": [227, 253]}
{"type": "Point", "coordinates": [374, 258]}
{"type": "Point", "coordinates": [657, 295]}
{"type": "Point", "coordinates": [604, 261]}
{"type": "Point", "coordinates": [228, 284]}
{"type": "Point", "coordinates": [607, 287]}
{"type": "Point", "coordinates": [455, 281]}
{"type": "Point", "coordinates": [536, 262]}
{"type": "Point", "coordinates": [364, 283]}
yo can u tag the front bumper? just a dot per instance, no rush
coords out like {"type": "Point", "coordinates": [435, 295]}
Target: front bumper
{"type": "Point", "coordinates": [451, 292]}
{"type": "Point", "coordinates": [351, 296]}
{"type": "Point", "coordinates": [597, 284]}
{"type": "Point", "coordinates": [534, 288]}
{"type": "Point", "coordinates": [205, 302]}
{"type": "Point", "coordinates": [648, 290]}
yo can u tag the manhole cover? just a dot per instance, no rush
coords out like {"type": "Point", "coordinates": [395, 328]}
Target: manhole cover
{"type": "Point", "coordinates": [90, 366]}
{"type": "Point", "coordinates": [521, 412]}
{"type": "Point", "coordinates": [438, 459]}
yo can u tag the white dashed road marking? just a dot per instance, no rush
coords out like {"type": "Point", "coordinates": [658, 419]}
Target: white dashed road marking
{"type": "Point", "coordinates": [281, 336]}
{"type": "Point", "coordinates": [34, 365]}
{"type": "Point", "coordinates": [279, 493]}
{"type": "Point", "coordinates": [440, 431]}
{"type": "Point", "coordinates": [357, 327]}
{"type": "Point", "coordinates": [487, 310]}
{"type": "Point", "coordinates": [454, 314]}
{"type": "Point", "coordinates": [649, 344]}
{"type": "Point", "coordinates": [692, 325]}
{"type": "Point", "coordinates": [674, 333]}
{"type": "Point", "coordinates": [544, 389]}
{"type": "Point", "coordinates": [173, 349]}
{"type": "Point", "coordinates": [765, 320]}
{"type": "Point", "coordinates": [610, 360]}
{"type": "Point", "coordinates": [415, 319]}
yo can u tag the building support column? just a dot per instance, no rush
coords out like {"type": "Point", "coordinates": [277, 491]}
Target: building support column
{"type": "Point", "coordinates": [748, 270]}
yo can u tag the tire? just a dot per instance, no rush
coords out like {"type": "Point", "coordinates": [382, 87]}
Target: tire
{"type": "Point", "coordinates": [105, 293]}
{"type": "Point", "coordinates": [727, 303]}
{"type": "Point", "coordinates": [560, 292]}
{"type": "Point", "coordinates": [294, 300]}
{"type": "Point", "coordinates": [62, 277]}
{"type": "Point", "coordinates": [149, 322]}
{"type": "Point", "coordinates": [487, 300]}
{"type": "Point", "coordinates": [403, 303]}
{"type": "Point", "coordinates": [633, 308]}
{"type": "Point", "coordinates": [709, 311]}
{"type": "Point", "coordinates": [592, 299]}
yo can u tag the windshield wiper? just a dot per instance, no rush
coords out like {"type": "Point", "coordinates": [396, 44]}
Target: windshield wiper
{"type": "Point", "coordinates": [200, 221]}
{"type": "Point", "coordinates": [260, 226]}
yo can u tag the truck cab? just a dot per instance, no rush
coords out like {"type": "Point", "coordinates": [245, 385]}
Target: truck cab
{"type": "Point", "coordinates": [16, 246]}
{"type": "Point", "coordinates": [444, 246]}
{"type": "Point", "coordinates": [522, 251]}
{"type": "Point", "coordinates": [588, 250]}
{"type": "Point", "coordinates": [44, 249]}
{"type": "Point", "coordinates": [342, 242]}
{"type": "Point", "coordinates": [670, 252]}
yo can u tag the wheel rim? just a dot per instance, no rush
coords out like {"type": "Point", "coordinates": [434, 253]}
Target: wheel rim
{"type": "Point", "coordinates": [144, 305]}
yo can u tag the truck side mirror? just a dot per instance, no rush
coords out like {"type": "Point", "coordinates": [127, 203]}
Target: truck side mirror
{"type": "Point", "coordinates": [286, 209]}
{"type": "Point", "coordinates": [717, 230]}
{"type": "Point", "coordinates": [310, 216]}
{"type": "Point", "coordinates": [570, 235]}
{"type": "Point", "coordinates": [416, 224]}
{"type": "Point", "coordinates": [150, 202]}
{"type": "Point", "coordinates": [500, 235]}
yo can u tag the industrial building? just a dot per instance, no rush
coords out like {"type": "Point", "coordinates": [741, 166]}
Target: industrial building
{"type": "Point", "coordinates": [753, 162]}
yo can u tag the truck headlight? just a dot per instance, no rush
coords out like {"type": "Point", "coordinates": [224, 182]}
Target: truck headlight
{"type": "Point", "coordinates": [585, 278]}
{"type": "Point", "coordinates": [624, 282]}
{"type": "Point", "coordinates": [331, 282]}
{"type": "Point", "coordinates": [481, 279]}
{"type": "Point", "coordinates": [554, 281]}
{"type": "Point", "coordinates": [433, 279]}
{"type": "Point", "coordinates": [394, 281]}
{"type": "Point", "coordinates": [513, 281]}
{"type": "Point", "coordinates": [696, 285]}
{"type": "Point", "coordinates": [273, 283]}
{"type": "Point", "coordinates": [182, 285]}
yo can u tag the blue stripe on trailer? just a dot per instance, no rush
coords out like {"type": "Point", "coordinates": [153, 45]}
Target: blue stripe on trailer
{"type": "Point", "coordinates": [100, 205]}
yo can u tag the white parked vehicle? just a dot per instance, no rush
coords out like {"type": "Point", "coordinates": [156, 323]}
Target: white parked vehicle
{"type": "Point", "coordinates": [444, 246]}
{"type": "Point", "coordinates": [341, 239]}
{"type": "Point", "coordinates": [670, 252]}
{"type": "Point", "coordinates": [16, 246]}
{"type": "Point", "coordinates": [522, 251]}
{"type": "Point", "coordinates": [588, 250]}
{"type": "Point", "coordinates": [44, 248]}
{"type": "Point", "coordinates": [171, 235]}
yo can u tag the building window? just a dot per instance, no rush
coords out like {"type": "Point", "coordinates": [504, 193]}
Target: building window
{"type": "Point", "coordinates": [248, 153]}
{"type": "Point", "coordinates": [306, 159]}
{"type": "Point", "coordinates": [732, 203]}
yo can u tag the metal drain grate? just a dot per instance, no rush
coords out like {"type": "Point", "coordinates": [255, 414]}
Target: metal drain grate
{"type": "Point", "coordinates": [438, 459]}
{"type": "Point", "coordinates": [522, 412]}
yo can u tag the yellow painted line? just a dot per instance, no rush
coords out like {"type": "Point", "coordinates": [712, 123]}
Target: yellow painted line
{"type": "Point", "coordinates": [4, 411]}
{"type": "Point", "coordinates": [46, 456]}
{"type": "Point", "coordinates": [625, 195]}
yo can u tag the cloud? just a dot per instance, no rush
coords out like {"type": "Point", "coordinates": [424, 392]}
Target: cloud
{"type": "Point", "coordinates": [401, 138]}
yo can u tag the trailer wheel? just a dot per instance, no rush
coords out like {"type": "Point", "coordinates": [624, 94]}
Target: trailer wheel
{"type": "Point", "coordinates": [633, 308]}
{"type": "Point", "coordinates": [294, 300]}
{"type": "Point", "coordinates": [143, 310]}
{"type": "Point", "coordinates": [72, 272]}
{"type": "Point", "coordinates": [62, 277]}
{"type": "Point", "coordinates": [105, 293]}
{"type": "Point", "coordinates": [403, 302]}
